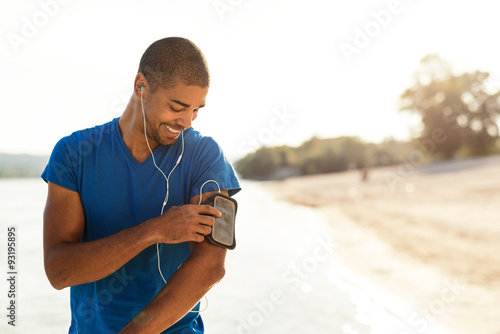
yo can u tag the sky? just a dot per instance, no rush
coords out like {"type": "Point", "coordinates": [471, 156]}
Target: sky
{"type": "Point", "coordinates": [281, 71]}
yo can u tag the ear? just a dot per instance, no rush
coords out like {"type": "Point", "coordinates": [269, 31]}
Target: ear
{"type": "Point", "coordinates": [195, 115]}
{"type": "Point", "coordinates": [140, 80]}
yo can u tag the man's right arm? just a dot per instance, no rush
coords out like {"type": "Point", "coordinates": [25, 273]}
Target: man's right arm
{"type": "Point", "coordinates": [70, 262]}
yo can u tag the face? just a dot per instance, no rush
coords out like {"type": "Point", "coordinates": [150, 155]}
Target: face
{"type": "Point", "coordinates": [169, 111]}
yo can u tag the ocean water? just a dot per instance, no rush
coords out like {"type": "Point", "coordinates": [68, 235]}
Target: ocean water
{"type": "Point", "coordinates": [283, 277]}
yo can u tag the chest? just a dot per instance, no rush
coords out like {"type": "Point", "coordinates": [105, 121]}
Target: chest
{"type": "Point", "coordinates": [118, 195]}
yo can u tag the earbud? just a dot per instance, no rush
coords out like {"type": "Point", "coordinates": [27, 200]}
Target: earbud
{"type": "Point", "coordinates": [142, 87]}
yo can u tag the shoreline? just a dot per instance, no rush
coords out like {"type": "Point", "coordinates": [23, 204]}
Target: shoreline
{"type": "Point", "coordinates": [430, 241]}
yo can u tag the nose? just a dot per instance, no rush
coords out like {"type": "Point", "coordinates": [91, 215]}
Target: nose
{"type": "Point", "coordinates": [185, 119]}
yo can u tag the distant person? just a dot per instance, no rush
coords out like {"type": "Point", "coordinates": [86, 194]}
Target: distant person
{"type": "Point", "coordinates": [107, 188]}
{"type": "Point", "coordinates": [364, 174]}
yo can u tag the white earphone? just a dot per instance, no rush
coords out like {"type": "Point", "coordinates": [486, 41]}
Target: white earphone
{"type": "Point", "coordinates": [162, 173]}
{"type": "Point", "coordinates": [167, 194]}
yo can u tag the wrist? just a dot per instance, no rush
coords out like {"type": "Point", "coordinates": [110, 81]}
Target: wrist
{"type": "Point", "coordinates": [149, 231]}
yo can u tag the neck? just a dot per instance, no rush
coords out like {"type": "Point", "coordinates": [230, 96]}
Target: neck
{"type": "Point", "coordinates": [131, 125]}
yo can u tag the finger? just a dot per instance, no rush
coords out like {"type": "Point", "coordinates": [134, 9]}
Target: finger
{"type": "Point", "coordinates": [206, 220]}
{"type": "Point", "coordinates": [208, 210]}
{"type": "Point", "coordinates": [204, 230]}
{"type": "Point", "coordinates": [198, 237]}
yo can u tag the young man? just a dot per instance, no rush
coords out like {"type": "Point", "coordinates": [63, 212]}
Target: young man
{"type": "Point", "coordinates": [108, 233]}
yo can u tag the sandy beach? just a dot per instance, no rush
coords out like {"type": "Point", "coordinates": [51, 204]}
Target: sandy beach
{"type": "Point", "coordinates": [406, 252]}
{"type": "Point", "coordinates": [427, 235]}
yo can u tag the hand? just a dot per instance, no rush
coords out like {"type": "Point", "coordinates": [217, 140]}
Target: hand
{"type": "Point", "coordinates": [185, 223]}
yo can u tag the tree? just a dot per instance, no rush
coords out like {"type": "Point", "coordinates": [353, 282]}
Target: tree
{"type": "Point", "coordinates": [463, 105]}
{"type": "Point", "coordinates": [317, 156]}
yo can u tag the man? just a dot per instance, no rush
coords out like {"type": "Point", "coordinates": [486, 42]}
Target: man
{"type": "Point", "coordinates": [108, 232]}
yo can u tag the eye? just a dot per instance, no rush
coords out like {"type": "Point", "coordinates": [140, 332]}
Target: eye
{"type": "Point", "coordinates": [176, 110]}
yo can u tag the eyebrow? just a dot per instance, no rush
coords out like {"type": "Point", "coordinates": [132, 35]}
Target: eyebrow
{"type": "Point", "coordinates": [185, 104]}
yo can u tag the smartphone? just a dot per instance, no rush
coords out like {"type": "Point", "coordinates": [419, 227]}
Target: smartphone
{"type": "Point", "coordinates": [223, 231]}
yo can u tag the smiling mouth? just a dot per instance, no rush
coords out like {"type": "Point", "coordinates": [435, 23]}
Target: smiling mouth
{"type": "Point", "coordinates": [172, 130]}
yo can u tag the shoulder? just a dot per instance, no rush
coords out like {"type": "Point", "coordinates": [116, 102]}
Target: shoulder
{"type": "Point", "coordinates": [195, 136]}
{"type": "Point", "coordinates": [97, 131]}
{"type": "Point", "coordinates": [71, 149]}
{"type": "Point", "coordinates": [87, 138]}
{"type": "Point", "coordinates": [209, 163]}
{"type": "Point", "coordinates": [201, 143]}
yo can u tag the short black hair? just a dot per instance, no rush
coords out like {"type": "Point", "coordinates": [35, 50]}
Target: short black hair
{"type": "Point", "coordinates": [173, 59]}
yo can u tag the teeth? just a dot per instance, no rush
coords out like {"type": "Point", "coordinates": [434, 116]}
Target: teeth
{"type": "Point", "coordinates": [172, 130]}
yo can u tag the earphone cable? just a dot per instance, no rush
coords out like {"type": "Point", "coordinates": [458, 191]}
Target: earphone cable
{"type": "Point", "coordinates": [167, 194]}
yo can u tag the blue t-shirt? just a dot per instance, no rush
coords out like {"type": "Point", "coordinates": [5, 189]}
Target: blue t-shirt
{"type": "Point", "coordinates": [117, 192]}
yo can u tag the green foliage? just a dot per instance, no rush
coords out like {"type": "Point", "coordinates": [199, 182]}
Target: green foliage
{"type": "Point", "coordinates": [14, 165]}
{"type": "Point", "coordinates": [11, 172]}
{"type": "Point", "coordinates": [464, 106]}
{"type": "Point", "coordinates": [320, 156]}
{"type": "Point", "coordinates": [459, 114]}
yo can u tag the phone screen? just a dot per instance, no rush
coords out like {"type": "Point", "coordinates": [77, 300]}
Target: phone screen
{"type": "Point", "coordinates": [223, 229]}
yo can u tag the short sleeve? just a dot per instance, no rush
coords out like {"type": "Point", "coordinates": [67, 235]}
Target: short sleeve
{"type": "Point", "coordinates": [63, 164]}
{"type": "Point", "coordinates": [210, 163]}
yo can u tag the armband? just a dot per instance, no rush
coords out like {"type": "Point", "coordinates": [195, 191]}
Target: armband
{"type": "Point", "coordinates": [223, 230]}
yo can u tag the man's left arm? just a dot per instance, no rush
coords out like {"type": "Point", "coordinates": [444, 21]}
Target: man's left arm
{"type": "Point", "coordinates": [195, 277]}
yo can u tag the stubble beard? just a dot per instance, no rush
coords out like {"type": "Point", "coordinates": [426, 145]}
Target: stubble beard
{"type": "Point", "coordinates": [154, 133]}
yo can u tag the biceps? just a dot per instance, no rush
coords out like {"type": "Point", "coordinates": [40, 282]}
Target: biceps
{"type": "Point", "coordinates": [211, 253]}
{"type": "Point", "coordinates": [63, 217]}
{"type": "Point", "coordinates": [204, 196]}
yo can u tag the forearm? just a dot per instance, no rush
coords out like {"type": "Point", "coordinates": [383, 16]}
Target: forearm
{"type": "Point", "coordinates": [70, 264]}
{"type": "Point", "coordinates": [197, 275]}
